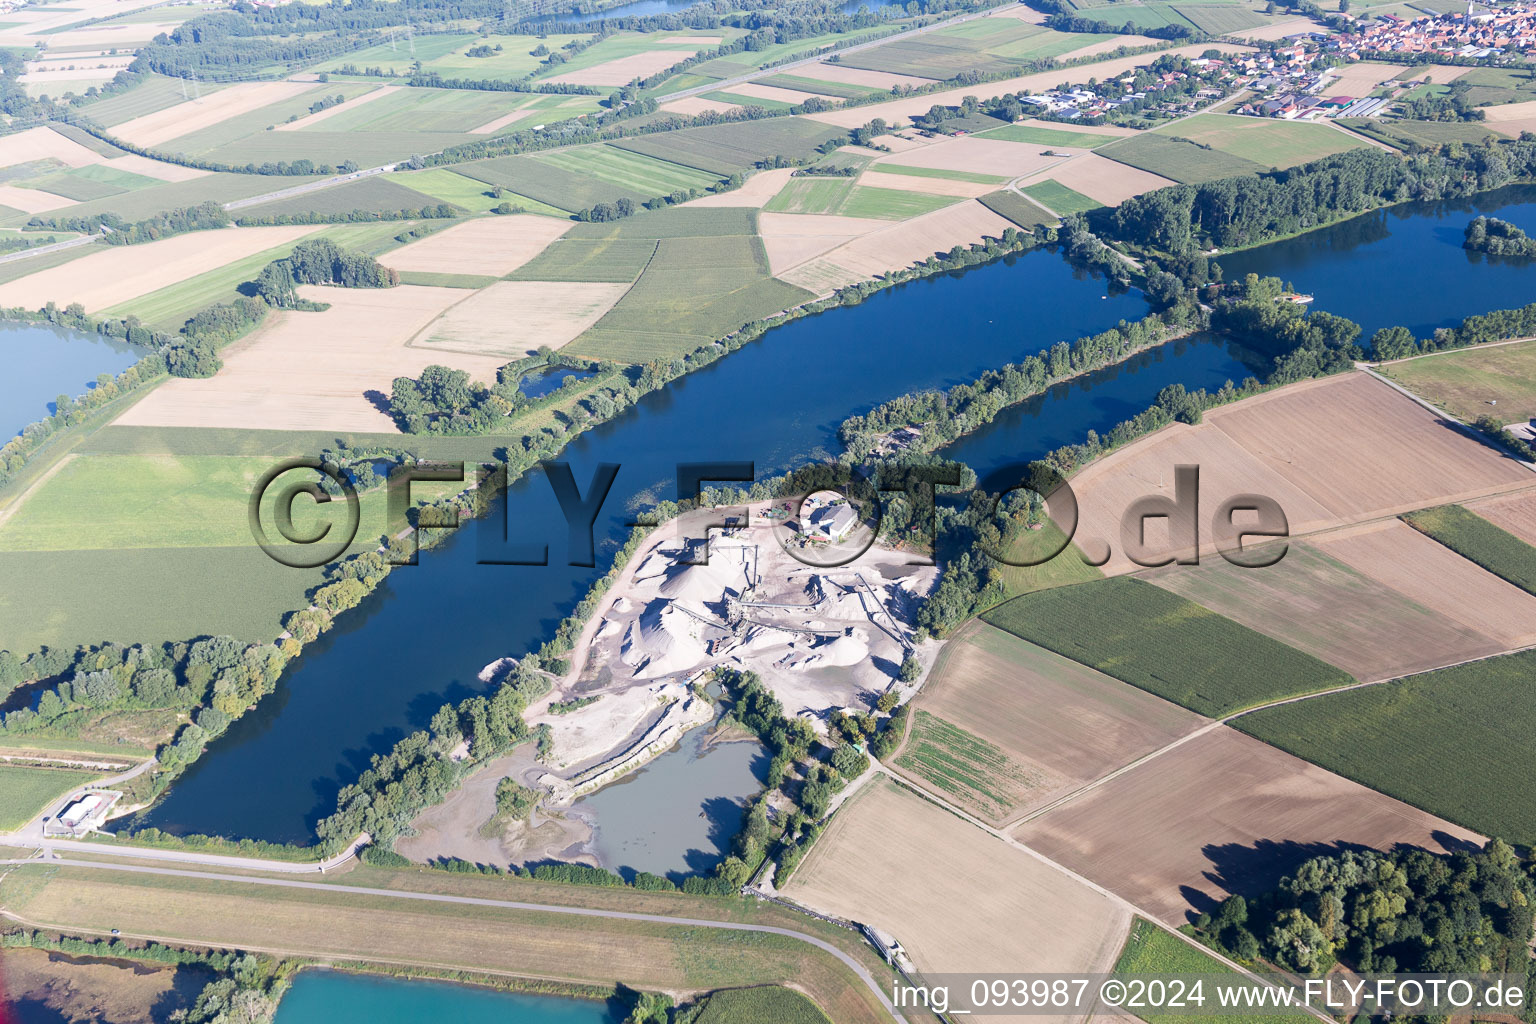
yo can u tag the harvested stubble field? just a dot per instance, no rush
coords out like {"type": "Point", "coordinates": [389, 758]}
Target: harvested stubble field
{"type": "Point", "coordinates": [1515, 513]}
{"type": "Point", "coordinates": [347, 925]}
{"type": "Point", "coordinates": [901, 864]}
{"type": "Point", "coordinates": [727, 148]}
{"type": "Point", "coordinates": [792, 239]}
{"type": "Point", "coordinates": [491, 246]}
{"type": "Point", "coordinates": [1058, 723]}
{"type": "Point", "coordinates": [881, 81]}
{"type": "Point", "coordinates": [1463, 382]}
{"type": "Point", "coordinates": [44, 143]}
{"type": "Point", "coordinates": [1164, 644]}
{"type": "Point", "coordinates": [758, 190]}
{"type": "Point", "coordinates": [1435, 576]}
{"type": "Point", "coordinates": [538, 179]}
{"type": "Point", "coordinates": [163, 125]}
{"type": "Point", "coordinates": [1317, 604]}
{"type": "Point", "coordinates": [115, 274]}
{"type": "Point", "coordinates": [1329, 452]}
{"type": "Point", "coordinates": [512, 319]}
{"type": "Point", "coordinates": [644, 174]}
{"type": "Point", "coordinates": [307, 371]}
{"type": "Point", "coordinates": [1222, 814]}
{"type": "Point", "coordinates": [898, 246]}
{"type": "Point", "coordinates": [25, 792]}
{"type": "Point", "coordinates": [153, 93]}
{"type": "Point", "coordinates": [1456, 742]}
{"type": "Point", "coordinates": [1361, 79]}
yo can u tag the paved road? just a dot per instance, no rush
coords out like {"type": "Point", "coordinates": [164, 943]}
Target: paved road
{"type": "Point", "coordinates": [780, 68]}
{"type": "Point", "coordinates": [543, 908]}
{"type": "Point", "coordinates": [27, 254]}
{"type": "Point", "coordinates": [312, 186]}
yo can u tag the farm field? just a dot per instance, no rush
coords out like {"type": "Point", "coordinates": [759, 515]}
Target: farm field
{"type": "Point", "coordinates": [1265, 141]}
{"type": "Point", "coordinates": [493, 246]}
{"type": "Point", "coordinates": [1172, 156]}
{"type": "Point", "coordinates": [1435, 576]}
{"type": "Point", "coordinates": [811, 194]}
{"type": "Point", "coordinates": [622, 57]}
{"type": "Point", "coordinates": [160, 126]}
{"type": "Point", "coordinates": [1066, 568]}
{"type": "Point", "coordinates": [1477, 537]}
{"type": "Point", "coordinates": [1425, 133]}
{"type": "Point", "coordinates": [172, 195]}
{"type": "Point", "coordinates": [153, 93]}
{"type": "Point", "coordinates": [512, 319]}
{"type": "Point", "coordinates": [630, 170]}
{"type": "Point", "coordinates": [1164, 644]}
{"type": "Point", "coordinates": [116, 274]}
{"type": "Point", "coordinates": [376, 194]}
{"type": "Point", "coordinates": [350, 925]}
{"type": "Point", "coordinates": [1033, 919]}
{"type": "Point", "coordinates": [614, 259]}
{"type": "Point", "coordinates": [964, 768]}
{"type": "Point", "coordinates": [25, 792]}
{"type": "Point", "coordinates": [1409, 738]}
{"type": "Point", "coordinates": [277, 378]}
{"type": "Point", "coordinates": [1329, 452]}
{"type": "Point", "coordinates": [872, 253]}
{"type": "Point", "coordinates": [1318, 604]}
{"type": "Point", "coordinates": [1222, 814]}
{"type": "Point", "coordinates": [727, 148]}
{"type": "Point", "coordinates": [1515, 513]}
{"type": "Point", "coordinates": [1152, 952]}
{"type": "Point", "coordinates": [1050, 723]}
{"type": "Point", "coordinates": [1058, 198]}
{"type": "Point", "coordinates": [1039, 136]}
{"type": "Point", "coordinates": [697, 288]}
{"type": "Point", "coordinates": [59, 598]}
{"type": "Point", "coordinates": [1463, 382]}
{"type": "Point", "coordinates": [1009, 204]}
{"type": "Point", "coordinates": [547, 183]}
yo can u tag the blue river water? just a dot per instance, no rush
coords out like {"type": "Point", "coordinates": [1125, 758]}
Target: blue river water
{"type": "Point", "coordinates": [335, 997]}
{"type": "Point", "coordinates": [420, 639]}
{"type": "Point", "coordinates": [43, 362]}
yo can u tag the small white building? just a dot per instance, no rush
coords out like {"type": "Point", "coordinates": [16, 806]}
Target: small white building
{"type": "Point", "coordinates": [85, 814]}
{"type": "Point", "coordinates": [833, 521]}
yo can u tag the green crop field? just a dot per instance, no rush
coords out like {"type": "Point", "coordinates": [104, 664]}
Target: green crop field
{"type": "Point", "coordinates": [97, 181]}
{"type": "Point", "coordinates": [515, 61]}
{"type": "Point", "coordinates": [765, 1005]}
{"type": "Point", "coordinates": [547, 183]}
{"type": "Point", "coordinates": [1066, 568]}
{"type": "Point", "coordinates": [613, 260]}
{"type": "Point", "coordinates": [154, 92]}
{"type": "Point", "coordinates": [977, 775]}
{"type": "Point", "coordinates": [376, 194]}
{"type": "Point", "coordinates": [1009, 204]}
{"type": "Point", "coordinates": [634, 171]}
{"type": "Point", "coordinates": [939, 172]}
{"type": "Point", "coordinates": [1149, 951]}
{"type": "Point", "coordinates": [221, 188]}
{"type": "Point", "coordinates": [1047, 44]}
{"type": "Point", "coordinates": [728, 148]}
{"type": "Point", "coordinates": [694, 291]}
{"type": "Point", "coordinates": [1164, 644]}
{"type": "Point", "coordinates": [24, 792]}
{"type": "Point", "coordinates": [1058, 197]}
{"type": "Point", "coordinates": [1463, 382]}
{"type": "Point", "coordinates": [1219, 19]}
{"type": "Point", "coordinates": [839, 90]}
{"type": "Point", "coordinates": [1425, 133]}
{"type": "Point", "coordinates": [1491, 86]}
{"type": "Point", "coordinates": [1265, 141]}
{"type": "Point", "coordinates": [891, 204]}
{"type": "Point", "coordinates": [1477, 540]}
{"type": "Point", "coordinates": [811, 194]}
{"type": "Point", "coordinates": [1177, 158]}
{"type": "Point", "coordinates": [1456, 742]}
{"type": "Point", "coordinates": [1033, 136]}
{"type": "Point", "coordinates": [421, 110]}
{"type": "Point", "coordinates": [397, 56]}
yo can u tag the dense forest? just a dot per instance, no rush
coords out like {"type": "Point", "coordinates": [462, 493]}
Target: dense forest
{"type": "Point", "coordinates": [1233, 212]}
{"type": "Point", "coordinates": [1495, 237]}
{"type": "Point", "coordinates": [1408, 911]}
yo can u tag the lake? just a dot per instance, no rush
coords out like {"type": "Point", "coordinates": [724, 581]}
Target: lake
{"type": "Point", "coordinates": [336, 997]}
{"type": "Point", "coordinates": [420, 639]}
{"type": "Point", "coordinates": [43, 362]}
{"type": "Point", "coordinates": [678, 814]}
